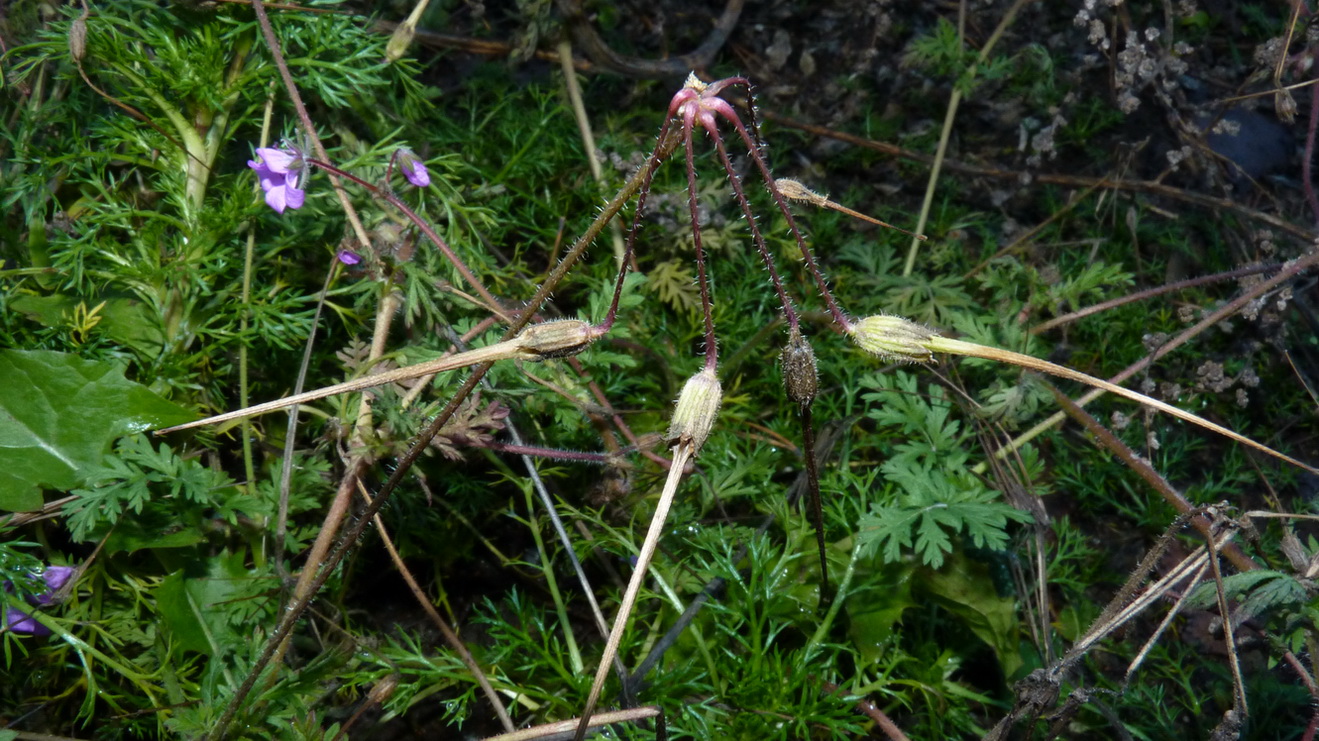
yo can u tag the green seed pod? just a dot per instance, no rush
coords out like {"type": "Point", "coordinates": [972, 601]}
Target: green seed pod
{"type": "Point", "coordinates": [698, 404]}
{"type": "Point", "coordinates": [893, 338]}
{"type": "Point", "coordinates": [799, 374]}
{"type": "Point", "coordinates": [559, 339]}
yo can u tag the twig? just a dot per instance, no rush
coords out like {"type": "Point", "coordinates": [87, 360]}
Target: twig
{"type": "Point", "coordinates": [872, 711]}
{"type": "Point", "coordinates": [1151, 293]}
{"type": "Point", "coordinates": [583, 33]}
{"type": "Point", "coordinates": [450, 637]}
{"type": "Point", "coordinates": [564, 728]}
{"type": "Point", "coordinates": [1143, 469]}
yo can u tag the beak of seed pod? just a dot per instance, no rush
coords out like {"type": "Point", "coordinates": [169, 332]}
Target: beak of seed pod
{"type": "Point", "coordinates": [698, 405]}
{"type": "Point", "coordinates": [893, 339]}
{"type": "Point", "coordinates": [799, 374]}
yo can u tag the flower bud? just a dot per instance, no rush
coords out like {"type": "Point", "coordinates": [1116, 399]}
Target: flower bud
{"type": "Point", "coordinates": [413, 168]}
{"type": "Point", "coordinates": [799, 376]}
{"type": "Point", "coordinates": [698, 404]}
{"type": "Point", "coordinates": [559, 339]}
{"type": "Point", "coordinates": [893, 338]}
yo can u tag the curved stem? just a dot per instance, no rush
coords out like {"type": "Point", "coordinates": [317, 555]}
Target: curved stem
{"type": "Point", "coordinates": [782, 203]}
{"type": "Point", "coordinates": [703, 280]}
{"type": "Point", "coordinates": [431, 234]}
{"type": "Point", "coordinates": [663, 148]}
{"type": "Point", "coordinates": [757, 237]}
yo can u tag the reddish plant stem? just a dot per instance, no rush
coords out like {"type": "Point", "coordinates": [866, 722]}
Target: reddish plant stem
{"type": "Point", "coordinates": [782, 203]}
{"type": "Point", "coordinates": [1307, 162]}
{"type": "Point", "coordinates": [711, 351]}
{"type": "Point", "coordinates": [735, 181]}
{"type": "Point", "coordinates": [431, 234]}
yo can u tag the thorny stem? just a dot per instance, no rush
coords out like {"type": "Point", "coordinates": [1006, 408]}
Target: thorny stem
{"type": "Point", "coordinates": [735, 181]}
{"type": "Point", "coordinates": [782, 204]}
{"type": "Point", "coordinates": [711, 353]}
{"type": "Point", "coordinates": [664, 145]}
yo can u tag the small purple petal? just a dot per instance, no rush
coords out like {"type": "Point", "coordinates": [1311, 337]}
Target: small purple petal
{"type": "Point", "coordinates": [276, 199]}
{"type": "Point", "coordinates": [295, 197]}
{"type": "Point", "coordinates": [57, 576]}
{"type": "Point", "coordinates": [348, 257]}
{"type": "Point", "coordinates": [21, 622]}
{"type": "Point", "coordinates": [268, 179]}
{"type": "Point", "coordinates": [413, 168]}
{"type": "Point", "coordinates": [277, 160]}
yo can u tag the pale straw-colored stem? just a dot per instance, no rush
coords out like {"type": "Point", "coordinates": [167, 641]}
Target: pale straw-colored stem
{"type": "Point", "coordinates": [511, 349]}
{"type": "Point", "coordinates": [970, 349]}
{"type": "Point", "coordinates": [681, 454]}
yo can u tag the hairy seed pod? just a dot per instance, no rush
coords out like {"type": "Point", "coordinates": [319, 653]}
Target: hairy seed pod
{"type": "Point", "coordinates": [558, 339]}
{"type": "Point", "coordinates": [78, 39]}
{"type": "Point", "coordinates": [800, 378]}
{"type": "Point", "coordinates": [698, 405]}
{"type": "Point", "coordinates": [793, 190]}
{"type": "Point", "coordinates": [893, 338]}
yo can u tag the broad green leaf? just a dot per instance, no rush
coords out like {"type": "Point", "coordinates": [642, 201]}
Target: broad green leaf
{"type": "Point", "coordinates": [195, 608]}
{"type": "Point", "coordinates": [964, 588]}
{"type": "Point", "coordinates": [874, 611]}
{"type": "Point", "coordinates": [58, 415]}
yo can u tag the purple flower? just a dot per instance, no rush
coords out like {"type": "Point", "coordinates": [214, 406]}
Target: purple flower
{"type": "Point", "coordinates": [282, 174]}
{"type": "Point", "coordinates": [348, 257]}
{"type": "Point", "coordinates": [413, 168]}
{"type": "Point", "coordinates": [21, 622]}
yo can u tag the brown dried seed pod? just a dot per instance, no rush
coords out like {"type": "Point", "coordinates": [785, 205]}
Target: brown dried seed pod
{"type": "Point", "coordinates": [800, 377]}
{"type": "Point", "coordinates": [78, 39]}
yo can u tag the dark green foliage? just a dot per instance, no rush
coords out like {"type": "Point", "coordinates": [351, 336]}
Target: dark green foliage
{"type": "Point", "coordinates": [146, 255]}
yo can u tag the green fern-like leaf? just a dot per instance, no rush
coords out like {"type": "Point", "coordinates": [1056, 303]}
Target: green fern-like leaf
{"type": "Point", "coordinates": [673, 283]}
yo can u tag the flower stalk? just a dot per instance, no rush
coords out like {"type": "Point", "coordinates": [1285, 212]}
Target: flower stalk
{"type": "Point", "coordinates": [893, 338]}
